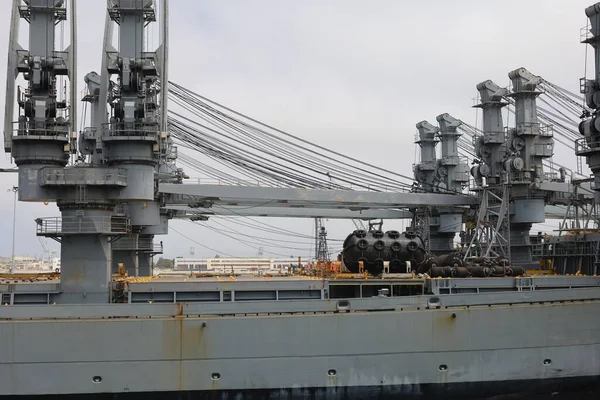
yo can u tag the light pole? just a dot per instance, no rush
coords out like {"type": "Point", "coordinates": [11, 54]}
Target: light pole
{"type": "Point", "coordinates": [14, 189]}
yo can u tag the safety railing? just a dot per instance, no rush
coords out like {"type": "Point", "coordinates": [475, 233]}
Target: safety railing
{"type": "Point", "coordinates": [543, 149]}
{"type": "Point", "coordinates": [143, 244]}
{"type": "Point", "coordinates": [137, 130]}
{"type": "Point", "coordinates": [41, 129]}
{"type": "Point", "coordinates": [520, 177]}
{"type": "Point", "coordinates": [585, 34]}
{"type": "Point", "coordinates": [82, 225]}
{"type": "Point", "coordinates": [157, 248]}
{"type": "Point", "coordinates": [583, 85]}
{"type": "Point", "coordinates": [551, 177]}
{"type": "Point", "coordinates": [83, 176]}
{"type": "Point", "coordinates": [450, 160]}
{"type": "Point", "coordinates": [89, 133]}
{"type": "Point", "coordinates": [585, 145]}
{"type": "Point", "coordinates": [60, 13]}
{"type": "Point", "coordinates": [546, 130]}
{"type": "Point", "coordinates": [527, 128]}
{"type": "Point", "coordinates": [461, 176]}
{"type": "Point", "coordinates": [115, 12]}
{"type": "Point", "coordinates": [532, 128]}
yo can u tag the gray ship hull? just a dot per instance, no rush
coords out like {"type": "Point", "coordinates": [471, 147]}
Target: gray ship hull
{"type": "Point", "coordinates": [563, 389]}
{"type": "Point", "coordinates": [385, 351]}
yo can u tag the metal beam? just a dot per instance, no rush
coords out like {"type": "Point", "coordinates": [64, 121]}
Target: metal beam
{"type": "Point", "coordinates": [11, 75]}
{"type": "Point", "coordinates": [552, 212]}
{"type": "Point", "coordinates": [163, 57]}
{"type": "Point", "coordinates": [72, 50]}
{"type": "Point", "coordinates": [584, 189]}
{"type": "Point", "coordinates": [107, 48]}
{"type": "Point", "coordinates": [312, 198]}
{"type": "Point", "coordinates": [281, 212]}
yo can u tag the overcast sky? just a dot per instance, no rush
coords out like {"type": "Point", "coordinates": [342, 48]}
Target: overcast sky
{"type": "Point", "coordinates": [351, 75]}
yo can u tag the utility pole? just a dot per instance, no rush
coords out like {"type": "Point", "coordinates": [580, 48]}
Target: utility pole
{"type": "Point", "coordinates": [14, 189]}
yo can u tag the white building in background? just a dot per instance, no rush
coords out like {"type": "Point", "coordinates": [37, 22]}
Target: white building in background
{"type": "Point", "coordinates": [55, 264]}
{"type": "Point", "coordinates": [189, 264]}
{"type": "Point", "coordinates": [234, 265]}
{"type": "Point", "coordinates": [24, 263]}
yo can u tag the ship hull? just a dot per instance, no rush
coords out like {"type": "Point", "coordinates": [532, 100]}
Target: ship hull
{"type": "Point", "coordinates": [582, 388]}
{"type": "Point", "coordinates": [408, 353]}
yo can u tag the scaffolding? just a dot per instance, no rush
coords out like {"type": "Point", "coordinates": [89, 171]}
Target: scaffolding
{"type": "Point", "coordinates": [491, 236]}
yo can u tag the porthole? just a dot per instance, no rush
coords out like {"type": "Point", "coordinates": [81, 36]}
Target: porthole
{"type": "Point", "coordinates": [97, 379]}
{"type": "Point", "coordinates": [443, 367]}
{"type": "Point", "coordinates": [332, 372]}
{"type": "Point", "coordinates": [547, 361]}
{"type": "Point", "coordinates": [215, 376]}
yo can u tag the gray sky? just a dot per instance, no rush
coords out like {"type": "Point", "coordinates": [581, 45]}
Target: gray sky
{"type": "Point", "coordinates": [351, 75]}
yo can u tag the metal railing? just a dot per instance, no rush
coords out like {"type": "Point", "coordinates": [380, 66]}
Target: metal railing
{"type": "Point", "coordinates": [157, 248]}
{"type": "Point", "coordinates": [551, 176]}
{"type": "Point", "coordinates": [89, 133]}
{"type": "Point", "coordinates": [418, 138]}
{"type": "Point", "coordinates": [519, 177]}
{"type": "Point", "coordinates": [59, 226]}
{"type": "Point", "coordinates": [543, 149]}
{"type": "Point", "coordinates": [48, 131]}
{"type": "Point", "coordinates": [130, 243]}
{"type": "Point", "coordinates": [143, 246]}
{"type": "Point", "coordinates": [528, 128]}
{"type": "Point", "coordinates": [83, 176]}
{"type": "Point", "coordinates": [585, 144]}
{"type": "Point", "coordinates": [585, 34]}
{"type": "Point", "coordinates": [60, 13]}
{"type": "Point", "coordinates": [130, 130]}
{"type": "Point", "coordinates": [546, 130]}
{"type": "Point", "coordinates": [450, 160]}
{"type": "Point", "coordinates": [463, 176]}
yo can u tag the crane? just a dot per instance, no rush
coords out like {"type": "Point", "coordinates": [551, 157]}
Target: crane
{"type": "Point", "coordinates": [50, 253]}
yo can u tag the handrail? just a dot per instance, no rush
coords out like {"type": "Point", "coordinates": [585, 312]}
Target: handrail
{"type": "Point", "coordinates": [58, 226]}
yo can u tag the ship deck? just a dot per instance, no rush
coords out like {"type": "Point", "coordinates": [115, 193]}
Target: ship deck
{"type": "Point", "coordinates": [45, 289]}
